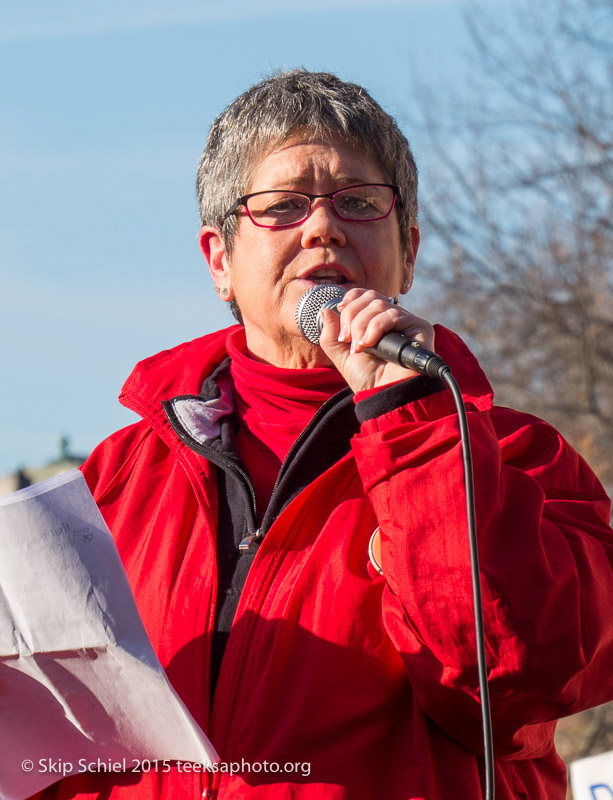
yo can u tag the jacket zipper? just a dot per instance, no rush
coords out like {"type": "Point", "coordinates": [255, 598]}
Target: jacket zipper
{"type": "Point", "coordinates": [216, 457]}
{"type": "Point", "coordinates": [257, 601]}
{"type": "Point", "coordinates": [321, 411]}
{"type": "Point", "coordinates": [212, 455]}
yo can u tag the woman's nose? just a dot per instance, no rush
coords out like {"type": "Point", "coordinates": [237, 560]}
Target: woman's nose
{"type": "Point", "coordinates": [323, 225]}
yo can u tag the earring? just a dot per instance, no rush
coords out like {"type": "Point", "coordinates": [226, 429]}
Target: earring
{"type": "Point", "coordinates": [406, 284]}
{"type": "Point", "coordinates": [222, 292]}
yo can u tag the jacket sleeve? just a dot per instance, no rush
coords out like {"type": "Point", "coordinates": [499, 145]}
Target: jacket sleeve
{"type": "Point", "coordinates": [546, 554]}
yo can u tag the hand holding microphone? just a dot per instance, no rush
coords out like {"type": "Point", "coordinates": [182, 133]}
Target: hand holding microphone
{"type": "Point", "coordinates": [370, 341]}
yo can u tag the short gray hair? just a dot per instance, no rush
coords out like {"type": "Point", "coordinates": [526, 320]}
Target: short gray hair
{"type": "Point", "coordinates": [278, 107]}
{"type": "Point", "coordinates": [269, 113]}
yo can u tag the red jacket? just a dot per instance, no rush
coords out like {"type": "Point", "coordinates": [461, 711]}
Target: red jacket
{"type": "Point", "coordinates": [370, 681]}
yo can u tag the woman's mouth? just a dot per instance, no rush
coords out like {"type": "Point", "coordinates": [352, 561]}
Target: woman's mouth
{"type": "Point", "coordinates": [327, 275]}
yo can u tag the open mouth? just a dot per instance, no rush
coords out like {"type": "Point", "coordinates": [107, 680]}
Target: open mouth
{"type": "Point", "coordinates": [327, 275]}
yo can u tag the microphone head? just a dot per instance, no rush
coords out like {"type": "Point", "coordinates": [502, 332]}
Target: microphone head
{"type": "Point", "coordinates": [324, 295]}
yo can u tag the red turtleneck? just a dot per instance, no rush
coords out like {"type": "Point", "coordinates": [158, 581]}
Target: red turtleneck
{"type": "Point", "coordinates": [273, 407]}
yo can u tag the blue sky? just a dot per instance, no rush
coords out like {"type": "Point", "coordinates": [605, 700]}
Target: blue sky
{"type": "Point", "coordinates": [104, 110]}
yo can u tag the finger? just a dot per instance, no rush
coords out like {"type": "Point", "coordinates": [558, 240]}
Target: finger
{"type": "Point", "coordinates": [371, 324]}
{"type": "Point", "coordinates": [337, 351]}
{"type": "Point", "coordinates": [372, 321]}
{"type": "Point", "coordinates": [331, 326]}
{"type": "Point", "coordinates": [352, 307]}
{"type": "Point", "coordinates": [350, 296]}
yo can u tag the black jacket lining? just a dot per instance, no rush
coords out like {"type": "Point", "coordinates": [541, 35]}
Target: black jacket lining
{"type": "Point", "coordinates": [397, 395]}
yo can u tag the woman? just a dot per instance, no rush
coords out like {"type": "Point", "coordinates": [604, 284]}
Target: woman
{"type": "Point", "coordinates": [244, 502]}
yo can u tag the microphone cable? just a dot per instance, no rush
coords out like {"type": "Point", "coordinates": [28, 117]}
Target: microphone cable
{"type": "Point", "coordinates": [469, 489]}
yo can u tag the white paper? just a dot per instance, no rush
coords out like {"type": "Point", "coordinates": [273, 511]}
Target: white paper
{"type": "Point", "coordinates": [592, 778]}
{"type": "Point", "coordinates": [80, 683]}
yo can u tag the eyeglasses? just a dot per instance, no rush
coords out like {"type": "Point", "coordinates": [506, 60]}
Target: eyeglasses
{"type": "Point", "coordinates": [277, 208]}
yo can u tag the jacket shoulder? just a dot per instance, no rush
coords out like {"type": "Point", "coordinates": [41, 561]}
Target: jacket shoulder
{"type": "Point", "coordinates": [113, 456]}
{"type": "Point", "coordinates": [180, 370]}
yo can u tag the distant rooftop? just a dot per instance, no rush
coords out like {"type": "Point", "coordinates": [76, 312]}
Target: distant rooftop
{"type": "Point", "coordinates": [27, 475]}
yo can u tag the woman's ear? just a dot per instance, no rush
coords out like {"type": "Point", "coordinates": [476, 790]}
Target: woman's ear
{"type": "Point", "coordinates": [410, 256]}
{"type": "Point", "coordinates": [213, 249]}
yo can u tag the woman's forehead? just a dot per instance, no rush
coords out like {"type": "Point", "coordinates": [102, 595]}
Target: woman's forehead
{"type": "Point", "coordinates": [303, 159]}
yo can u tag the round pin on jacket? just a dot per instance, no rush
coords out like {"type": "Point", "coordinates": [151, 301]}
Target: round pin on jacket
{"type": "Point", "coordinates": [374, 551]}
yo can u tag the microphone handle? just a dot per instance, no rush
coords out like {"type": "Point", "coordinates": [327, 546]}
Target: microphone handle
{"type": "Point", "coordinates": [399, 349]}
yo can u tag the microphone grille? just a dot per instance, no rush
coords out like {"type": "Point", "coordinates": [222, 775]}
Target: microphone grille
{"type": "Point", "coordinates": [311, 303]}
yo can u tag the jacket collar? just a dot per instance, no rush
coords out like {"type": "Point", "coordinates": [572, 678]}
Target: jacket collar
{"type": "Point", "coordinates": [184, 369]}
{"type": "Point", "coordinates": [179, 371]}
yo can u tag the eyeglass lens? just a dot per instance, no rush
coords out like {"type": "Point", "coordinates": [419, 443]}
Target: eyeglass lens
{"type": "Point", "coordinates": [358, 203]}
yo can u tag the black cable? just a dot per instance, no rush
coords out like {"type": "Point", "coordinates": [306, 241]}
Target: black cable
{"type": "Point", "coordinates": [488, 747]}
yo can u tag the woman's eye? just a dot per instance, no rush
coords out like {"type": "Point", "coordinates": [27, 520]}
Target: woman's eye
{"type": "Point", "coordinates": [357, 205]}
{"type": "Point", "coordinates": [355, 202]}
{"type": "Point", "coordinates": [284, 205]}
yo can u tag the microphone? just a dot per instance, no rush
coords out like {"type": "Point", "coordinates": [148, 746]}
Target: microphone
{"type": "Point", "coordinates": [392, 346]}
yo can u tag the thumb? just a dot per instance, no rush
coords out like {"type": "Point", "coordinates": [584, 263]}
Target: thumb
{"type": "Point", "coordinates": [336, 351]}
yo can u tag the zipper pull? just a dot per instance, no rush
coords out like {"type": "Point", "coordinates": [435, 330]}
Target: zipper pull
{"type": "Point", "coordinates": [249, 540]}
{"type": "Point", "coordinates": [211, 789]}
